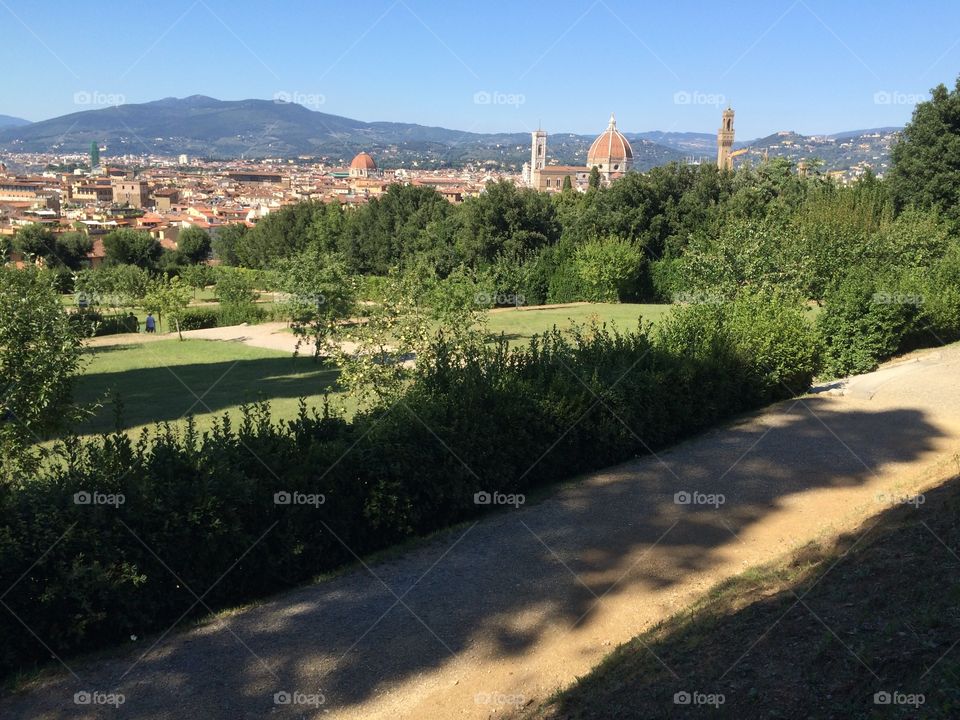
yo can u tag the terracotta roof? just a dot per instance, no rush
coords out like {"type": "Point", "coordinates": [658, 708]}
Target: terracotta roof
{"type": "Point", "coordinates": [610, 146]}
{"type": "Point", "coordinates": [363, 161]}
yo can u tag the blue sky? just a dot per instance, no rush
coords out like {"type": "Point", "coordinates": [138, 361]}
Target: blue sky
{"type": "Point", "coordinates": [814, 66]}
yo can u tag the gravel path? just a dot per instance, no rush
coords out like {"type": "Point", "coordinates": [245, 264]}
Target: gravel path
{"type": "Point", "coordinates": [490, 616]}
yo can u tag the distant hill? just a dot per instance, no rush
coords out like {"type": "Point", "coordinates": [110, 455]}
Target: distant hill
{"type": "Point", "coordinates": [7, 121]}
{"type": "Point", "coordinates": [858, 148]}
{"type": "Point", "coordinates": [206, 127]}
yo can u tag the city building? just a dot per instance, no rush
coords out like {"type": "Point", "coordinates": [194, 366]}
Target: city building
{"type": "Point", "coordinates": [610, 154]}
{"type": "Point", "coordinates": [363, 166]}
{"type": "Point", "coordinates": [725, 141]}
{"type": "Point", "coordinates": [134, 193]}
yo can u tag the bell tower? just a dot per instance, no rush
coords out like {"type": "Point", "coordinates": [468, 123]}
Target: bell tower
{"type": "Point", "coordinates": [725, 141]}
{"type": "Point", "coordinates": [538, 156]}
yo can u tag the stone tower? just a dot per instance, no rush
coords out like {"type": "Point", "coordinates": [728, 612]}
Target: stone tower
{"type": "Point", "coordinates": [725, 141]}
{"type": "Point", "coordinates": [538, 155]}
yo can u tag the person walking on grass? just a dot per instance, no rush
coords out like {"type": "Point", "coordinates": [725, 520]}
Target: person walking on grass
{"type": "Point", "coordinates": [151, 323]}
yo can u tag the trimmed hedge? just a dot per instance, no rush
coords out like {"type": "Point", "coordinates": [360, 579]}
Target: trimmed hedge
{"type": "Point", "coordinates": [202, 503]}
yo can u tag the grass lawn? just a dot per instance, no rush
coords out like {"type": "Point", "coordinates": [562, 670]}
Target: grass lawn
{"type": "Point", "coordinates": [162, 380]}
{"type": "Point", "coordinates": [883, 620]}
{"type": "Point", "coordinates": [519, 325]}
{"type": "Point", "coordinates": [166, 379]}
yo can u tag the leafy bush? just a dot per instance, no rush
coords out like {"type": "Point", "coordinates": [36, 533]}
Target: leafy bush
{"type": "Point", "coordinates": [864, 321]}
{"type": "Point", "coordinates": [199, 319]}
{"type": "Point", "coordinates": [609, 269]}
{"type": "Point", "coordinates": [207, 500]}
{"type": "Point", "coordinates": [233, 314]}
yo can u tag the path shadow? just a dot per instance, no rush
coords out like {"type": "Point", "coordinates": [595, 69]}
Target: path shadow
{"type": "Point", "coordinates": [497, 589]}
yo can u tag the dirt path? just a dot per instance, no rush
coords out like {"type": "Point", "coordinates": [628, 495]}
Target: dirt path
{"type": "Point", "coordinates": [493, 615]}
{"type": "Point", "coordinates": [271, 335]}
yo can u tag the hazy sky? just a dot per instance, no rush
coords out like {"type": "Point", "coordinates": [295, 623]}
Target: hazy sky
{"type": "Point", "coordinates": [814, 66]}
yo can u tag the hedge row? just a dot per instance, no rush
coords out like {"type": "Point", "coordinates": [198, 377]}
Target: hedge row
{"type": "Point", "coordinates": [247, 511]}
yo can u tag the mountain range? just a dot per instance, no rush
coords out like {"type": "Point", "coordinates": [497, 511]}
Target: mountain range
{"type": "Point", "coordinates": [205, 127]}
{"type": "Point", "coordinates": [7, 121]}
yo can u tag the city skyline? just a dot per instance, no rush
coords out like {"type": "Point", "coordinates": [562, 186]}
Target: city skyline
{"type": "Point", "coordinates": [804, 65]}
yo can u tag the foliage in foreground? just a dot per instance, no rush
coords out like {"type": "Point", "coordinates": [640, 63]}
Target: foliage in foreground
{"type": "Point", "coordinates": [39, 355]}
{"type": "Point", "coordinates": [295, 499]}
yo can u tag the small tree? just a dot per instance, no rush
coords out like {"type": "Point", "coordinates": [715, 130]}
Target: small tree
{"type": "Point", "coordinates": [131, 247]}
{"type": "Point", "coordinates": [167, 296]}
{"type": "Point", "coordinates": [609, 269]}
{"type": "Point", "coordinates": [197, 277]}
{"type": "Point", "coordinates": [40, 355]}
{"type": "Point", "coordinates": [319, 294]}
{"type": "Point", "coordinates": [237, 296]}
{"type": "Point", "coordinates": [379, 355]}
{"type": "Point", "coordinates": [194, 244]}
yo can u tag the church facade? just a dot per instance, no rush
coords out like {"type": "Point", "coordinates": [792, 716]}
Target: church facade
{"type": "Point", "coordinates": [610, 153]}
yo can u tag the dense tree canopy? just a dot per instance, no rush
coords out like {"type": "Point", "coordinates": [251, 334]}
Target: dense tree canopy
{"type": "Point", "coordinates": [926, 161]}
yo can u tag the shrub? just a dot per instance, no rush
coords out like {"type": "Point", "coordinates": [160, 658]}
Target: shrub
{"type": "Point", "coordinates": [199, 319]}
{"type": "Point", "coordinates": [865, 320]}
{"type": "Point", "coordinates": [505, 414]}
{"type": "Point", "coordinates": [609, 269]}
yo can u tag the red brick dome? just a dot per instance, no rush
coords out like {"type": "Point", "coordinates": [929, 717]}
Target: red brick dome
{"type": "Point", "coordinates": [363, 161]}
{"type": "Point", "coordinates": [611, 147]}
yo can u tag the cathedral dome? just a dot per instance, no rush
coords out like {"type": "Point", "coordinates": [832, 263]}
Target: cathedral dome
{"type": "Point", "coordinates": [611, 151]}
{"type": "Point", "coordinates": [363, 161]}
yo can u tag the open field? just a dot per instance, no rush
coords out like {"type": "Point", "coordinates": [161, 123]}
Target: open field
{"type": "Point", "coordinates": [519, 325]}
{"type": "Point", "coordinates": [167, 379]}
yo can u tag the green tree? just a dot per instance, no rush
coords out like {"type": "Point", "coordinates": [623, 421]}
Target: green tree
{"type": "Point", "coordinates": [67, 250]}
{"type": "Point", "coordinates": [594, 181]}
{"type": "Point", "coordinates": [198, 276]}
{"type": "Point", "coordinates": [237, 295]}
{"type": "Point", "coordinates": [225, 242]}
{"type": "Point", "coordinates": [168, 297]}
{"type": "Point", "coordinates": [926, 158]}
{"type": "Point", "coordinates": [608, 269]}
{"type": "Point", "coordinates": [319, 294]}
{"type": "Point", "coordinates": [40, 355]}
{"type": "Point", "coordinates": [131, 247]}
{"type": "Point", "coordinates": [194, 244]}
